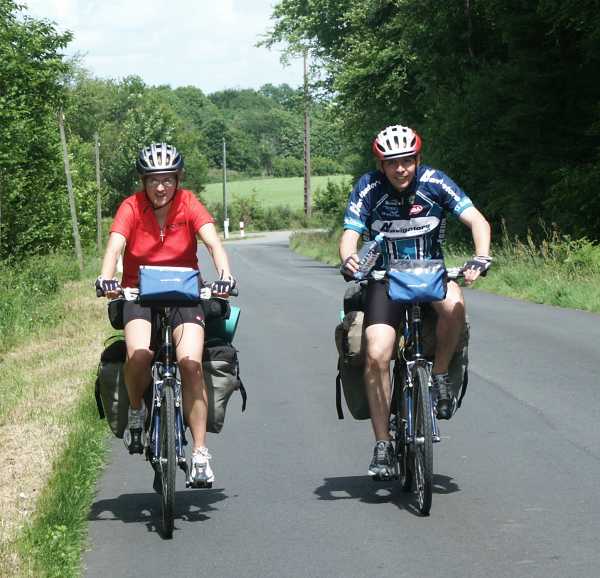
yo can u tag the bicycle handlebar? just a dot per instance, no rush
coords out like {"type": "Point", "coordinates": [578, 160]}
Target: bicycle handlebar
{"type": "Point", "coordinates": [132, 293]}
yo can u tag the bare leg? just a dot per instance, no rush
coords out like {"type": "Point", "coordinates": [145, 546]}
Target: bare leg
{"type": "Point", "coordinates": [139, 360]}
{"type": "Point", "coordinates": [450, 322]}
{"type": "Point", "coordinates": [380, 339]}
{"type": "Point", "coordinates": [190, 343]}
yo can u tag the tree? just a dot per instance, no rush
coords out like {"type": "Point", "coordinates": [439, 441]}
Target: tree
{"type": "Point", "coordinates": [32, 188]}
{"type": "Point", "coordinates": [503, 92]}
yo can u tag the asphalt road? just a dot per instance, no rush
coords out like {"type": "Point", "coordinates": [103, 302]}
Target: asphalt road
{"type": "Point", "coordinates": [517, 473]}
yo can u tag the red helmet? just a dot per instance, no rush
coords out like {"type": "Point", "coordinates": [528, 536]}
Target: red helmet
{"type": "Point", "coordinates": [396, 141]}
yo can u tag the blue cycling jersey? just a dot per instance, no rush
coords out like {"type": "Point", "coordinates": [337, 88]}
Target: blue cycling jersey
{"type": "Point", "coordinates": [413, 222]}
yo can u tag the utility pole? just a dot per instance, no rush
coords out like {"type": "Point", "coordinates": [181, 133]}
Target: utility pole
{"type": "Point", "coordinates": [225, 217]}
{"type": "Point", "coordinates": [70, 191]}
{"type": "Point", "coordinates": [98, 196]}
{"type": "Point", "coordinates": [307, 191]}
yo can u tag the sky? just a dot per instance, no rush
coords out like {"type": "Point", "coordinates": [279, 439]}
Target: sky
{"type": "Point", "coordinates": [209, 44]}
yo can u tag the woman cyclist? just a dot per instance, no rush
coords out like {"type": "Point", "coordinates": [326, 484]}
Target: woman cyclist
{"type": "Point", "coordinates": [160, 225]}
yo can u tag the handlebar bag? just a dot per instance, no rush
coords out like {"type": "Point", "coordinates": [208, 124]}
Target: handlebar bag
{"type": "Point", "coordinates": [417, 281]}
{"type": "Point", "coordinates": [169, 285]}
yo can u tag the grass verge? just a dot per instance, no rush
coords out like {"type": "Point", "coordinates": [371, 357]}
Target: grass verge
{"type": "Point", "coordinates": [52, 544]}
{"type": "Point", "coordinates": [556, 270]}
{"type": "Point", "coordinates": [51, 439]}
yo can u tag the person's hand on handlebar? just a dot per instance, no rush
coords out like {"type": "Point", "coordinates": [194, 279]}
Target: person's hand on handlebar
{"type": "Point", "coordinates": [349, 267]}
{"type": "Point", "coordinates": [223, 286]}
{"type": "Point", "coordinates": [475, 267]}
{"type": "Point", "coordinates": [110, 288]}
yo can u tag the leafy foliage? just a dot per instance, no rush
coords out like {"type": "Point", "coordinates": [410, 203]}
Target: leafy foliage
{"type": "Point", "coordinates": [504, 92]}
{"type": "Point", "coordinates": [33, 201]}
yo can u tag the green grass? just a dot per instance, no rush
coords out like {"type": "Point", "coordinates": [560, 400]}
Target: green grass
{"type": "Point", "coordinates": [270, 191]}
{"type": "Point", "coordinates": [47, 384]}
{"type": "Point", "coordinates": [322, 246]}
{"type": "Point", "coordinates": [30, 294]}
{"type": "Point", "coordinates": [52, 544]}
{"type": "Point", "coordinates": [557, 270]}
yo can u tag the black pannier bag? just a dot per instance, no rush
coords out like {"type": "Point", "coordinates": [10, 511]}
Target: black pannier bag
{"type": "Point", "coordinates": [351, 357]}
{"type": "Point", "coordinates": [221, 375]}
{"type": "Point", "coordinates": [111, 393]}
{"type": "Point", "coordinates": [349, 339]}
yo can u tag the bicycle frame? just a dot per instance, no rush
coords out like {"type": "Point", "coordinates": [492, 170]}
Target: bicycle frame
{"type": "Point", "coordinates": [410, 355]}
{"type": "Point", "coordinates": [165, 373]}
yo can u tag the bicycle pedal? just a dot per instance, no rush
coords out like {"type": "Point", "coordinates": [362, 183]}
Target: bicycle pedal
{"type": "Point", "coordinates": [389, 478]}
{"type": "Point", "coordinates": [198, 485]}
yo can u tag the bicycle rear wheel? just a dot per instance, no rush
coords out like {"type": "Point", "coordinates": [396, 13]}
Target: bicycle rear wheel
{"type": "Point", "coordinates": [423, 446]}
{"type": "Point", "coordinates": [167, 460]}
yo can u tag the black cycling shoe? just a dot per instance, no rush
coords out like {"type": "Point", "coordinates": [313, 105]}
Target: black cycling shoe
{"type": "Point", "coordinates": [133, 439]}
{"type": "Point", "coordinates": [134, 435]}
{"type": "Point", "coordinates": [383, 464]}
{"type": "Point", "coordinates": [446, 402]}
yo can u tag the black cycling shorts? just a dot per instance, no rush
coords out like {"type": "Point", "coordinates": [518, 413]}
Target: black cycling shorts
{"type": "Point", "coordinates": [179, 315]}
{"type": "Point", "coordinates": [379, 308]}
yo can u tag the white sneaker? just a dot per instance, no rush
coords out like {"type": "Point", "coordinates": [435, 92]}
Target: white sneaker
{"type": "Point", "coordinates": [201, 474]}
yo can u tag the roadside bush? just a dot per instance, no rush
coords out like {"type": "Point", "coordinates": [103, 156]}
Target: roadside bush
{"type": "Point", "coordinates": [27, 289]}
{"type": "Point", "coordinates": [288, 167]}
{"type": "Point", "coordinates": [331, 201]}
{"type": "Point", "coordinates": [249, 209]}
{"type": "Point", "coordinates": [323, 166]}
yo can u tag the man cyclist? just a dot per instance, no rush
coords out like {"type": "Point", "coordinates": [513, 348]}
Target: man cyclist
{"type": "Point", "coordinates": [160, 225]}
{"type": "Point", "coordinates": [407, 201]}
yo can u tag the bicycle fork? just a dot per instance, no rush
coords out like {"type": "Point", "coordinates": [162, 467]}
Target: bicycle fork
{"type": "Point", "coordinates": [165, 376]}
{"type": "Point", "coordinates": [408, 395]}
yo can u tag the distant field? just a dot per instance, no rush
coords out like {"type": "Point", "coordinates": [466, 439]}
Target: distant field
{"type": "Point", "coordinates": [272, 192]}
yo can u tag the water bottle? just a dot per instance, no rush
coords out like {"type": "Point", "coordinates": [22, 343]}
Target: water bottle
{"type": "Point", "coordinates": [367, 257]}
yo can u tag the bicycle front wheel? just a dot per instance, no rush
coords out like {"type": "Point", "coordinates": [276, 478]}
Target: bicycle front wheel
{"type": "Point", "coordinates": [403, 453]}
{"type": "Point", "coordinates": [423, 443]}
{"type": "Point", "coordinates": [168, 460]}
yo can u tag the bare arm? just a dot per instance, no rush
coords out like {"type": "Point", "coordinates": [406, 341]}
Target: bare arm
{"type": "Point", "coordinates": [348, 249]}
{"type": "Point", "coordinates": [209, 236]}
{"type": "Point", "coordinates": [480, 229]}
{"type": "Point", "coordinates": [481, 232]}
{"type": "Point", "coordinates": [114, 248]}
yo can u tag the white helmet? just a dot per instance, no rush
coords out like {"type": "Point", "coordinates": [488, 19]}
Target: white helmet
{"type": "Point", "coordinates": [159, 158]}
{"type": "Point", "coordinates": [396, 141]}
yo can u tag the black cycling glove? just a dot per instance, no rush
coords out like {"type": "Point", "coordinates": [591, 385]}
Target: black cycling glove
{"type": "Point", "coordinates": [479, 263]}
{"type": "Point", "coordinates": [223, 286]}
{"type": "Point", "coordinates": [103, 286]}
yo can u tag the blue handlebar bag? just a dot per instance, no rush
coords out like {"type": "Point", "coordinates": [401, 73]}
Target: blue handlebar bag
{"type": "Point", "coordinates": [417, 281]}
{"type": "Point", "coordinates": [169, 285]}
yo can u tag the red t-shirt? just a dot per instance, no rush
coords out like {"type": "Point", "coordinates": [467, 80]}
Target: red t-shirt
{"type": "Point", "coordinates": [175, 245]}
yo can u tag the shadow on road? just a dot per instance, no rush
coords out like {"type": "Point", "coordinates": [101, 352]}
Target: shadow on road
{"type": "Point", "coordinates": [190, 505]}
{"type": "Point", "coordinates": [366, 490]}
